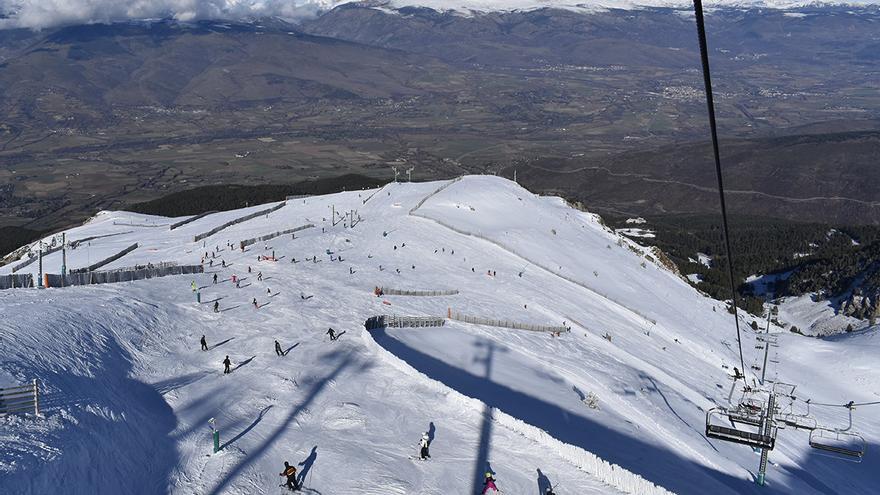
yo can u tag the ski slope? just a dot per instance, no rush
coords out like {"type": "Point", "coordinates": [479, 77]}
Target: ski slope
{"type": "Point", "coordinates": [129, 393]}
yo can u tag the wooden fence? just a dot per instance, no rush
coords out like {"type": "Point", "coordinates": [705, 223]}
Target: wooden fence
{"type": "Point", "coordinates": [387, 291]}
{"type": "Point", "coordinates": [35, 257]}
{"type": "Point", "coordinates": [247, 242]}
{"type": "Point", "coordinates": [16, 280]}
{"type": "Point", "coordinates": [20, 399]}
{"type": "Point", "coordinates": [479, 320]}
{"type": "Point", "coordinates": [105, 261]}
{"type": "Point", "coordinates": [74, 244]}
{"type": "Point", "coordinates": [190, 219]}
{"type": "Point", "coordinates": [393, 321]}
{"type": "Point", "coordinates": [114, 276]}
{"type": "Point", "coordinates": [245, 218]}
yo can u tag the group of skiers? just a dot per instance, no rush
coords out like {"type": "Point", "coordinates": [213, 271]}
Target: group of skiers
{"type": "Point", "coordinates": [489, 481]}
{"type": "Point", "coordinates": [290, 472]}
{"type": "Point", "coordinates": [227, 363]}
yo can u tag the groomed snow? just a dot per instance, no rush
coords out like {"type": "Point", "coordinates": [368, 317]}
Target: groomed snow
{"type": "Point", "coordinates": [129, 393]}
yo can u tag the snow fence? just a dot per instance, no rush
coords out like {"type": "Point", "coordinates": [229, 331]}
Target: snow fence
{"type": "Point", "coordinates": [35, 257]}
{"type": "Point", "coordinates": [247, 242]}
{"type": "Point", "coordinates": [401, 292]}
{"type": "Point", "coordinates": [190, 219]}
{"type": "Point", "coordinates": [105, 261]}
{"type": "Point", "coordinates": [245, 218]}
{"type": "Point", "coordinates": [16, 280]}
{"type": "Point", "coordinates": [373, 194]}
{"type": "Point", "coordinates": [74, 244]}
{"type": "Point", "coordinates": [606, 472]}
{"type": "Point", "coordinates": [394, 321]}
{"type": "Point", "coordinates": [436, 191]}
{"type": "Point", "coordinates": [479, 320]}
{"type": "Point", "coordinates": [123, 275]}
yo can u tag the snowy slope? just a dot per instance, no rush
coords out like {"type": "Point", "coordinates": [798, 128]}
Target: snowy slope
{"type": "Point", "coordinates": [129, 393]}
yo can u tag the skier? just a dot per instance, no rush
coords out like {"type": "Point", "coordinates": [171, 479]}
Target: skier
{"type": "Point", "coordinates": [216, 306]}
{"type": "Point", "coordinates": [424, 443]}
{"type": "Point", "coordinates": [215, 279]}
{"type": "Point", "coordinates": [260, 276]}
{"type": "Point", "coordinates": [290, 473]}
{"type": "Point", "coordinates": [193, 285]}
{"type": "Point", "coordinates": [489, 482]}
{"type": "Point", "coordinates": [278, 350]}
{"type": "Point", "coordinates": [204, 343]}
{"type": "Point", "coordinates": [256, 306]}
{"type": "Point", "coordinates": [268, 291]}
{"type": "Point", "coordinates": [332, 334]}
{"type": "Point", "coordinates": [736, 373]}
{"type": "Point", "coordinates": [226, 364]}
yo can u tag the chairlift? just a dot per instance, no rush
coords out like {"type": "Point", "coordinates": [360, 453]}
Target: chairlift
{"type": "Point", "coordinates": [798, 422]}
{"type": "Point", "coordinates": [745, 416]}
{"type": "Point", "coordinates": [750, 435]}
{"type": "Point", "coordinates": [784, 389]}
{"type": "Point", "coordinates": [839, 443]}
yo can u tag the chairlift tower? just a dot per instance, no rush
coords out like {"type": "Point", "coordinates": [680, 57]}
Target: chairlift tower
{"type": "Point", "coordinates": [767, 428]}
{"type": "Point", "coordinates": [395, 173]}
{"type": "Point", "coordinates": [409, 174]}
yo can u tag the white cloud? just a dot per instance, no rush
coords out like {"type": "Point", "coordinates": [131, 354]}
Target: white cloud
{"type": "Point", "coordinates": [38, 14]}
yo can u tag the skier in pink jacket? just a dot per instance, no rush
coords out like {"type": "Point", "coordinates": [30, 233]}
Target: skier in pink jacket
{"type": "Point", "coordinates": [489, 482]}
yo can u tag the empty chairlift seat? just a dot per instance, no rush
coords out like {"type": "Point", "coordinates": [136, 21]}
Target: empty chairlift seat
{"type": "Point", "coordinates": [838, 444]}
{"type": "Point", "coordinates": [720, 425]}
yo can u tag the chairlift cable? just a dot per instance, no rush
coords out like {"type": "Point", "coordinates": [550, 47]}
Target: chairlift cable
{"type": "Point", "coordinates": [848, 405]}
{"type": "Point", "coordinates": [710, 104]}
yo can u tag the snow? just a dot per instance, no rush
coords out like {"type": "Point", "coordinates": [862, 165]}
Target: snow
{"type": "Point", "coordinates": [765, 284]}
{"type": "Point", "coordinates": [128, 393]}
{"type": "Point", "coordinates": [637, 233]}
{"type": "Point", "coordinates": [704, 259]}
{"type": "Point", "coordinates": [815, 316]}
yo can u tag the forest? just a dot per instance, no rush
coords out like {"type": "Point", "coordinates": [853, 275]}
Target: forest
{"type": "Point", "coordinates": [816, 258]}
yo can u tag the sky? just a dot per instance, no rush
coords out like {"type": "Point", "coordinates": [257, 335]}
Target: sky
{"type": "Point", "coordinates": [41, 14]}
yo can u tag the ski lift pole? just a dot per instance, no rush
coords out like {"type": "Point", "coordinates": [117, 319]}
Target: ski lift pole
{"type": "Point", "coordinates": [768, 425]}
{"type": "Point", "coordinates": [215, 434]}
{"type": "Point", "coordinates": [766, 345]}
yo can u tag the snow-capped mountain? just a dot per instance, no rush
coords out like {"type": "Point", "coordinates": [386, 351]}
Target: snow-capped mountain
{"type": "Point", "coordinates": [39, 14]}
{"type": "Point", "coordinates": [128, 393]}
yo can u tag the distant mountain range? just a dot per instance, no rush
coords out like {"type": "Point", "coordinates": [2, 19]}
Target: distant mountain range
{"type": "Point", "coordinates": [37, 14]}
{"type": "Point", "coordinates": [605, 108]}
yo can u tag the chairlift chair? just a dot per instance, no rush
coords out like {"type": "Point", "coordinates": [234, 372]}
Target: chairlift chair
{"type": "Point", "coordinates": [750, 435]}
{"type": "Point", "coordinates": [838, 444]}
{"type": "Point", "coordinates": [798, 422]}
{"type": "Point", "coordinates": [745, 416]}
